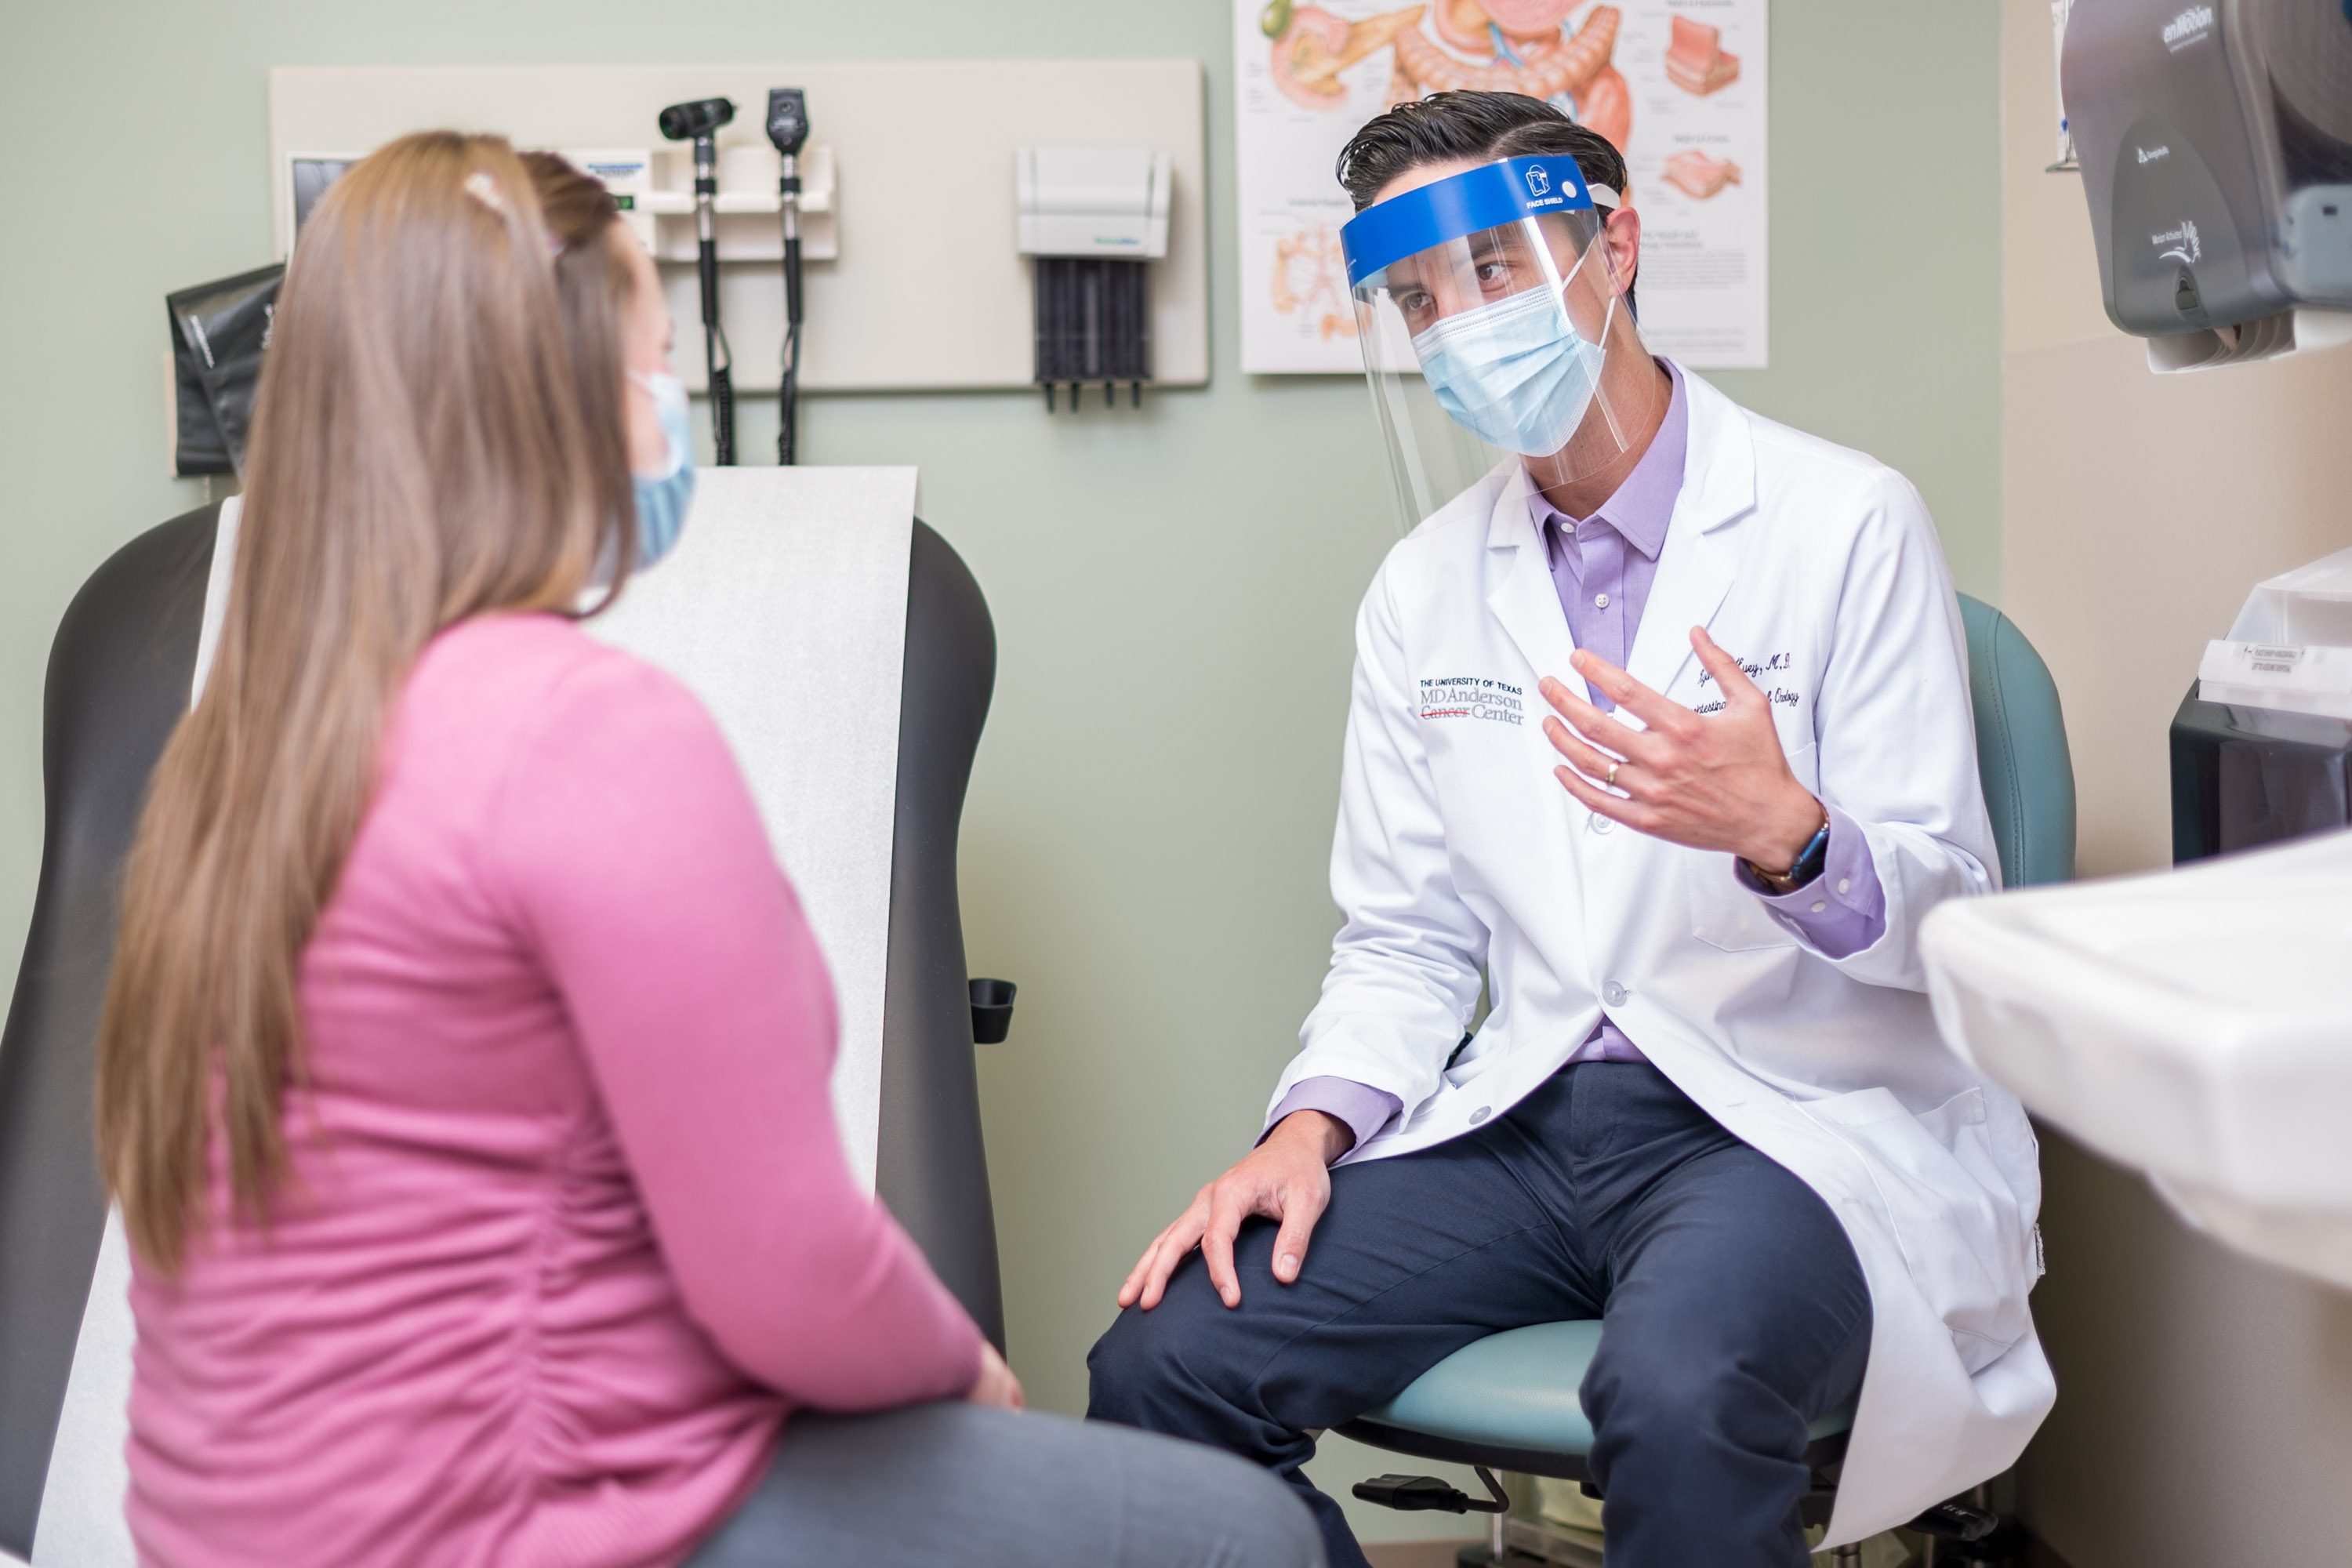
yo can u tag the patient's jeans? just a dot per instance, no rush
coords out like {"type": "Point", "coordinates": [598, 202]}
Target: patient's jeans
{"type": "Point", "coordinates": [1734, 1312]}
{"type": "Point", "coordinates": [978, 1488]}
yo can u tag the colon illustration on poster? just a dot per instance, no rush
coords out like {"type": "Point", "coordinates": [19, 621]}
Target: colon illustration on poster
{"type": "Point", "coordinates": [1676, 85]}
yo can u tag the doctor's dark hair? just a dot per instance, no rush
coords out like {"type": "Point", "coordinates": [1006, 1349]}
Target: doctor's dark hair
{"type": "Point", "coordinates": [1476, 127]}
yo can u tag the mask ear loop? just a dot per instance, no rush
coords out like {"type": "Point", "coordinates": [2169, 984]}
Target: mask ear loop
{"type": "Point", "coordinates": [1600, 390]}
{"type": "Point", "coordinates": [1608, 325]}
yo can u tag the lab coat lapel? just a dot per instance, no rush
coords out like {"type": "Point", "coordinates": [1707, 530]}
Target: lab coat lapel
{"type": "Point", "coordinates": [1700, 560]}
{"type": "Point", "coordinates": [1526, 601]}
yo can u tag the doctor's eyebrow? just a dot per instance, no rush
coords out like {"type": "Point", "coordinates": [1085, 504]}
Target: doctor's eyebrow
{"type": "Point", "coordinates": [1506, 245]}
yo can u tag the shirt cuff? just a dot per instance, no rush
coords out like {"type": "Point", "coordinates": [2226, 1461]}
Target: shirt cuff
{"type": "Point", "coordinates": [1364, 1109]}
{"type": "Point", "coordinates": [1839, 913]}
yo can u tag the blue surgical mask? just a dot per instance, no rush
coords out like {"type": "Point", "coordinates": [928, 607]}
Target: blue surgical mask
{"type": "Point", "coordinates": [662, 498]}
{"type": "Point", "coordinates": [1516, 373]}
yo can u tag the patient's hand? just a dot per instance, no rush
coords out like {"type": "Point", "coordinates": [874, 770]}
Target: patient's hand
{"type": "Point", "coordinates": [996, 1384]}
{"type": "Point", "coordinates": [1287, 1177]}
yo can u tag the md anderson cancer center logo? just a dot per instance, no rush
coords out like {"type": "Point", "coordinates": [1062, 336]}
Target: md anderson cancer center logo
{"type": "Point", "coordinates": [1471, 697]}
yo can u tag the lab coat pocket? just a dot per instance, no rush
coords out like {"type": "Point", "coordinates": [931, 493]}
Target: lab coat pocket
{"type": "Point", "coordinates": [1962, 1235]}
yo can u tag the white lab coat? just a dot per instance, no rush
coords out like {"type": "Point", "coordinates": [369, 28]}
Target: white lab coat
{"type": "Point", "coordinates": [1457, 851]}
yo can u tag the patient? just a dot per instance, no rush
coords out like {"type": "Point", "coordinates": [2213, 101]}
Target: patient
{"type": "Point", "coordinates": [463, 1076]}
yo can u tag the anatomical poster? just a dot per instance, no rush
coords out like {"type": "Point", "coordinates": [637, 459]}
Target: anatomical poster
{"type": "Point", "coordinates": [1678, 85]}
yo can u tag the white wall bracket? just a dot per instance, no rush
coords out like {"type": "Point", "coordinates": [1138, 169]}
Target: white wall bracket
{"type": "Point", "coordinates": [925, 288]}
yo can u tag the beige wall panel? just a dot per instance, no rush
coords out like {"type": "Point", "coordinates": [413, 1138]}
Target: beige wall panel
{"type": "Point", "coordinates": [2050, 271]}
{"type": "Point", "coordinates": [2140, 510]}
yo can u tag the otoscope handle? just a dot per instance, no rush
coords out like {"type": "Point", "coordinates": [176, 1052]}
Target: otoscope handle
{"type": "Point", "coordinates": [788, 199]}
{"type": "Point", "coordinates": [706, 264]}
{"type": "Point", "coordinates": [705, 196]}
{"type": "Point", "coordinates": [722, 418]}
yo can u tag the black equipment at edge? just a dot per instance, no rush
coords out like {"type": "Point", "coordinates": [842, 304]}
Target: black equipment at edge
{"type": "Point", "coordinates": [698, 123]}
{"type": "Point", "coordinates": [218, 333]}
{"type": "Point", "coordinates": [788, 128]}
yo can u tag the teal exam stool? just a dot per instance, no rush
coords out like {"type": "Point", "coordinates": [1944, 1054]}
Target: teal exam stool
{"type": "Point", "coordinates": [1508, 1402]}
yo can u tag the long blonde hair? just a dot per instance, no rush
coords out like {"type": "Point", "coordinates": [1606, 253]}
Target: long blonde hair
{"type": "Point", "coordinates": [418, 456]}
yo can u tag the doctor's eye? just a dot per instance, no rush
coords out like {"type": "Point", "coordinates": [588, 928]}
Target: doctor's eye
{"type": "Point", "coordinates": [1495, 277]}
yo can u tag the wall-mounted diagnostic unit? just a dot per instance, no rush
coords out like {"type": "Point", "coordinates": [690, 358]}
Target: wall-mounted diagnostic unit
{"type": "Point", "coordinates": [915, 276]}
{"type": "Point", "coordinates": [1093, 222]}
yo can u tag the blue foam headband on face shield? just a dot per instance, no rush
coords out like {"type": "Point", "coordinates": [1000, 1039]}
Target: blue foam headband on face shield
{"type": "Point", "coordinates": [1486, 197]}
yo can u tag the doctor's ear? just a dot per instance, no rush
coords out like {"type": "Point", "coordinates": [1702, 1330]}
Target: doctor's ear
{"type": "Point", "coordinates": [1622, 235]}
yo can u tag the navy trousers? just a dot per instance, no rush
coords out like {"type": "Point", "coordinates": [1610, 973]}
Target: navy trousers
{"type": "Point", "coordinates": [1734, 1312]}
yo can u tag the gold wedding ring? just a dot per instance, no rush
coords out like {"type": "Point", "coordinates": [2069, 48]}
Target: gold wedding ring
{"type": "Point", "coordinates": [1611, 782]}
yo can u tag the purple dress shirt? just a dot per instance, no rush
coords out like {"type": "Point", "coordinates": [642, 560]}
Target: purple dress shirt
{"type": "Point", "coordinates": [1603, 568]}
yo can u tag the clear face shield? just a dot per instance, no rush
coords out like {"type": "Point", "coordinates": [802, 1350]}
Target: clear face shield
{"type": "Point", "coordinates": [1497, 336]}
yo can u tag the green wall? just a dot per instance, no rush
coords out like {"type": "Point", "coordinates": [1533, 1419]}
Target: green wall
{"type": "Point", "coordinates": [1146, 843]}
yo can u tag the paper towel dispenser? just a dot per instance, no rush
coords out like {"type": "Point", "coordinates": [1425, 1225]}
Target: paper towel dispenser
{"type": "Point", "coordinates": [2216, 148]}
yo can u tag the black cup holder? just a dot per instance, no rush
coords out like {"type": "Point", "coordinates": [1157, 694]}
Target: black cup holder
{"type": "Point", "coordinates": [992, 1011]}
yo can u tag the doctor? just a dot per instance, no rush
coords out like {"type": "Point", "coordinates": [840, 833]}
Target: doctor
{"type": "Point", "coordinates": [1660, 733]}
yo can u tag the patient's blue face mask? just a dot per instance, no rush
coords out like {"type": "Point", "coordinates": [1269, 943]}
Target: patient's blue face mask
{"type": "Point", "coordinates": [662, 498]}
{"type": "Point", "coordinates": [1516, 373]}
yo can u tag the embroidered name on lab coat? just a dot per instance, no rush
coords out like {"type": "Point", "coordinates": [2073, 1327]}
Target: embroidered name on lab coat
{"type": "Point", "coordinates": [1762, 674]}
{"type": "Point", "coordinates": [1471, 697]}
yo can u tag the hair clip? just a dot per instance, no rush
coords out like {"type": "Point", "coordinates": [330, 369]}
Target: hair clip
{"type": "Point", "coordinates": [485, 190]}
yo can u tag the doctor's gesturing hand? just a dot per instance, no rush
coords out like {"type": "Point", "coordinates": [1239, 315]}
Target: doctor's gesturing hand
{"type": "Point", "coordinates": [1713, 781]}
{"type": "Point", "coordinates": [1287, 1177]}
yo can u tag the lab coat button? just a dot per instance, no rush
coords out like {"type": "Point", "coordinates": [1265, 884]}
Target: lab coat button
{"type": "Point", "coordinates": [1598, 823]}
{"type": "Point", "coordinates": [1614, 993]}
{"type": "Point", "coordinates": [1481, 1114]}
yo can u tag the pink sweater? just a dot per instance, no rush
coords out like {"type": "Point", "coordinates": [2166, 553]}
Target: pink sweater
{"type": "Point", "coordinates": [570, 1228]}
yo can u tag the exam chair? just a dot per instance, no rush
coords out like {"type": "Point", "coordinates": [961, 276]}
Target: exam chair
{"type": "Point", "coordinates": [118, 681]}
{"type": "Point", "coordinates": [1508, 1402]}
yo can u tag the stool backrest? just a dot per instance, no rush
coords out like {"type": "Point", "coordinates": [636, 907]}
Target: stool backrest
{"type": "Point", "coordinates": [2022, 755]}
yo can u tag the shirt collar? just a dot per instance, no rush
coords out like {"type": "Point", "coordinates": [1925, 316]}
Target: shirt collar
{"type": "Point", "coordinates": [1644, 503]}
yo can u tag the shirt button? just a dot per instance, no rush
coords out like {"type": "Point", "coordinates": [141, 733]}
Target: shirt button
{"type": "Point", "coordinates": [1819, 906]}
{"type": "Point", "coordinates": [1599, 824]}
{"type": "Point", "coordinates": [1844, 884]}
{"type": "Point", "coordinates": [1614, 993]}
{"type": "Point", "coordinates": [1600, 601]}
{"type": "Point", "coordinates": [1481, 1114]}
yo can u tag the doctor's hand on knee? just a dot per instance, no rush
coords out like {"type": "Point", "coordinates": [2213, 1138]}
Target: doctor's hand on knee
{"type": "Point", "coordinates": [1718, 782]}
{"type": "Point", "coordinates": [1287, 1177]}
